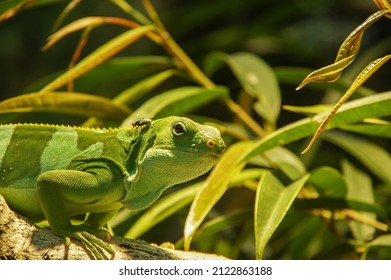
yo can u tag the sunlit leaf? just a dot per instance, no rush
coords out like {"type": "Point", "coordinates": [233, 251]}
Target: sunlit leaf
{"type": "Point", "coordinates": [97, 57]}
{"type": "Point", "coordinates": [67, 10]}
{"type": "Point", "coordinates": [10, 8]}
{"type": "Point", "coordinates": [109, 77]}
{"type": "Point", "coordinates": [361, 78]}
{"type": "Point", "coordinates": [272, 202]}
{"type": "Point", "coordinates": [346, 54]}
{"type": "Point", "coordinates": [294, 75]}
{"type": "Point", "coordinates": [84, 23]}
{"type": "Point", "coordinates": [384, 5]}
{"type": "Point", "coordinates": [352, 112]}
{"type": "Point", "coordinates": [359, 188]}
{"type": "Point", "coordinates": [69, 103]}
{"type": "Point", "coordinates": [215, 186]}
{"type": "Point", "coordinates": [328, 73]}
{"type": "Point", "coordinates": [381, 241]}
{"type": "Point", "coordinates": [308, 110]}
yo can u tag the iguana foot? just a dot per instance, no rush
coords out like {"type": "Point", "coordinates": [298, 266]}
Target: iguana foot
{"type": "Point", "coordinates": [94, 245]}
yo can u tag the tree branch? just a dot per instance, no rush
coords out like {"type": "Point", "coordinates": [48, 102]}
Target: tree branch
{"type": "Point", "coordinates": [21, 239]}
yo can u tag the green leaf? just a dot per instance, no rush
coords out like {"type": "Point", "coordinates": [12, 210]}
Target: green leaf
{"type": "Point", "coordinates": [360, 79]}
{"type": "Point", "coordinates": [286, 161]}
{"type": "Point", "coordinates": [359, 188]}
{"type": "Point", "coordinates": [381, 241]}
{"type": "Point", "coordinates": [308, 110]}
{"type": "Point", "coordinates": [177, 102]}
{"type": "Point", "coordinates": [294, 75]}
{"type": "Point", "coordinates": [371, 129]}
{"type": "Point", "coordinates": [99, 56]}
{"type": "Point", "coordinates": [109, 77]}
{"type": "Point", "coordinates": [346, 54]}
{"type": "Point", "coordinates": [378, 105]}
{"type": "Point", "coordinates": [273, 200]}
{"type": "Point", "coordinates": [374, 157]}
{"type": "Point", "coordinates": [328, 182]}
{"type": "Point", "coordinates": [329, 73]}
{"type": "Point", "coordinates": [257, 79]}
{"type": "Point", "coordinates": [10, 8]}
{"type": "Point", "coordinates": [215, 186]}
{"type": "Point", "coordinates": [65, 102]}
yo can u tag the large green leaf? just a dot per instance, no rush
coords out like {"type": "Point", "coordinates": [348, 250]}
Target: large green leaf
{"type": "Point", "coordinates": [273, 200]}
{"type": "Point", "coordinates": [378, 105]}
{"type": "Point", "coordinates": [257, 79]}
{"type": "Point", "coordinates": [215, 186]}
{"type": "Point", "coordinates": [359, 188]}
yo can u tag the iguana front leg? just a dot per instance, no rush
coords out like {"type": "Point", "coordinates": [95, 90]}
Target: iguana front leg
{"type": "Point", "coordinates": [62, 192]}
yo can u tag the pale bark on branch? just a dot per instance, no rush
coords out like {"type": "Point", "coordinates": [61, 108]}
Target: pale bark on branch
{"type": "Point", "coordinates": [21, 239]}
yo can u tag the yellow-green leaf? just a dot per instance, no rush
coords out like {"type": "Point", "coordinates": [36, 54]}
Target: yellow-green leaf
{"type": "Point", "coordinates": [360, 79]}
{"type": "Point", "coordinates": [99, 56]}
{"type": "Point", "coordinates": [384, 5]}
{"type": "Point", "coordinates": [346, 54]}
{"type": "Point", "coordinates": [359, 188]}
{"type": "Point", "coordinates": [273, 200]}
{"type": "Point", "coordinates": [65, 102]}
{"type": "Point", "coordinates": [328, 73]}
{"type": "Point", "coordinates": [215, 186]}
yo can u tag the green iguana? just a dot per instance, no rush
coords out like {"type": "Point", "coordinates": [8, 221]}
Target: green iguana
{"type": "Point", "coordinates": [55, 172]}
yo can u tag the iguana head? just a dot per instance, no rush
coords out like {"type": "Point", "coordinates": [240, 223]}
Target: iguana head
{"type": "Point", "coordinates": [173, 150]}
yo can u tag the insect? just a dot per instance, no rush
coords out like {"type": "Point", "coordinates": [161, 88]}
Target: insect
{"type": "Point", "coordinates": [141, 122]}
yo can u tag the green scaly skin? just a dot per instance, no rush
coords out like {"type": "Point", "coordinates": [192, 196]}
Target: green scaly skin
{"type": "Point", "coordinates": [55, 172]}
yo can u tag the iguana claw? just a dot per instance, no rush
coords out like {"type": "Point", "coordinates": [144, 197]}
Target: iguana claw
{"type": "Point", "coordinates": [94, 245]}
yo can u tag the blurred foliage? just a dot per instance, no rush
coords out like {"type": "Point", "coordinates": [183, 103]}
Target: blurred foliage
{"type": "Point", "coordinates": [235, 63]}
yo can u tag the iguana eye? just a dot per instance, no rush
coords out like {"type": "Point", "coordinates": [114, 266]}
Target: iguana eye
{"type": "Point", "coordinates": [179, 129]}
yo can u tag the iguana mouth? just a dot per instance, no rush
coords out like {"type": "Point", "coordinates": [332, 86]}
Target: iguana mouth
{"type": "Point", "coordinates": [194, 152]}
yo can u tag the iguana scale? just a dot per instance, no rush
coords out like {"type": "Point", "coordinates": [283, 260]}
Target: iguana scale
{"type": "Point", "coordinates": [55, 172]}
